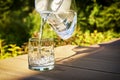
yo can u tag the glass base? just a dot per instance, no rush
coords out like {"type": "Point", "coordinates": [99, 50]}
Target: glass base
{"type": "Point", "coordinates": [41, 68]}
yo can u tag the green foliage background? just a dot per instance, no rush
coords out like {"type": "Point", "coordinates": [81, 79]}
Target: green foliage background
{"type": "Point", "coordinates": [98, 21]}
{"type": "Point", "coordinates": [13, 13]}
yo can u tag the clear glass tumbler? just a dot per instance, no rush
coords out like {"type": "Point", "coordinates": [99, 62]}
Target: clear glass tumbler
{"type": "Point", "coordinates": [41, 54]}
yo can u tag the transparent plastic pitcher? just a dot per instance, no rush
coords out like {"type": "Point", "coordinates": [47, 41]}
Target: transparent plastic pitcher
{"type": "Point", "coordinates": [60, 14]}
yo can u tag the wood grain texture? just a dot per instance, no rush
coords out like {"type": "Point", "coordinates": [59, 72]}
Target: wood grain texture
{"type": "Point", "coordinates": [101, 62]}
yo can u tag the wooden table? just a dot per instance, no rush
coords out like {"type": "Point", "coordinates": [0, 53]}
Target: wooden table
{"type": "Point", "coordinates": [98, 62]}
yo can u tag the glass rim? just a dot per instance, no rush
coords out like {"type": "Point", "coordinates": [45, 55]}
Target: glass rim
{"type": "Point", "coordinates": [47, 39]}
{"type": "Point", "coordinates": [44, 39]}
{"type": "Point", "coordinates": [33, 38]}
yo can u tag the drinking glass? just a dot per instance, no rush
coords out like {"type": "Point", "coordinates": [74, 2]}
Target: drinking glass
{"type": "Point", "coordinates": [41, 54]}
{"type": "Point", "coordinates": [60, 14]}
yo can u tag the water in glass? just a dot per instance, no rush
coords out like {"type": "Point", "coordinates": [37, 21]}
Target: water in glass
{"type": "Point", "coordinates": [40, 56]}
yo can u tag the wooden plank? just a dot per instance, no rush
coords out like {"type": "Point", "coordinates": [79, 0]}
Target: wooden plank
{"type": "Point", "coordinates": [13, 68]}
{"type": "Point", "coordinates": [73, 63]}
{"type": "Point", "coordinates": [69, 73]}
{"type": "Point", "coordinates": [17, 67]}
{"type": "Point", "coordinates": [108, 54]}
{"type": "Point", "coordinates": [94, 65]}
{"type": "Point", "coordinates": [102, 60]}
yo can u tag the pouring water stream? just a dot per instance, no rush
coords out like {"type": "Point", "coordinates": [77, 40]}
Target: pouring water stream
{"type": "Point", "coordinates": [44, 20]}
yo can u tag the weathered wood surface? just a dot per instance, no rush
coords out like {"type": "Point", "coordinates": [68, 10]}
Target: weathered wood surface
{"type": "Point", "coordinates": [100, 62]}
